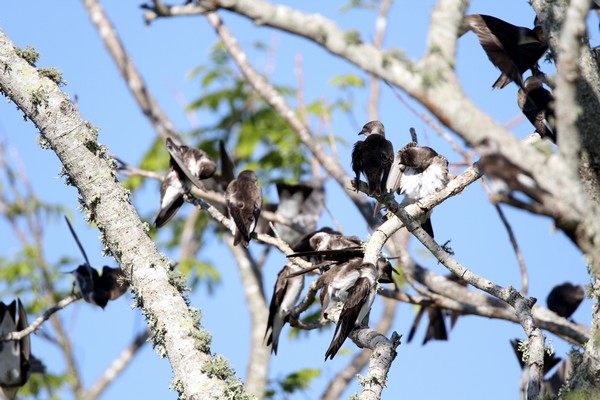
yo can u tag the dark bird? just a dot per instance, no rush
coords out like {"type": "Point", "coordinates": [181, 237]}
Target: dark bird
{"type": "Point", "coordinates": [244, 201]}
{"type": "Point", "coordinates": [97, 289]}
{"type": "Point", "coordinates": [436, 328]}
{"type": "Point", "coordinates": [356, 307]}
{"type": "Point", "coordinates": [16, 360]}
{"type": "Point", "coordinates": [187, 166]}
{"type": "Point", "coordinates": [506, 177]}
{"type": "Point", "coordinates": [550, 360]}
{"type": "Point", "coordinates": [564, 299]}
{"type": "Point", "coordinates": [373, 157]}
{"type": "Point", "coordinates": [537, 103]}
{"type": "Point", "coordinates": [512, 49]}
{"type": "Point", "coordinates": [417, 173]}
{"type": "Point", "coordinates": [285, 295]}
{"type": "Point", "coordinates": [550, 387]}
{"type": "Point", "coordinates": [300, 204]}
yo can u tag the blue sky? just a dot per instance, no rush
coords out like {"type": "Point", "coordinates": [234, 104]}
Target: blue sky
{"type": "Point", "coordinates": [476, 360]}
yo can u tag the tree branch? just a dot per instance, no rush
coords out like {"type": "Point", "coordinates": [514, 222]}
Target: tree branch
{"type": "Point", "coordinates": [107, 204]}
{"type": "Point", "coordinates": [37, 323]}
{"type": "Point", "coordinates": [163, 126]}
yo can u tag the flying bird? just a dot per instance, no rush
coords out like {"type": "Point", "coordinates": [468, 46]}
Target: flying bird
{"type": "Point", "coordinates": [285, 295]}
{"type": "Point", "coordinates": [373, 157]}
{"type": "Point", "coordinates": [512, 49]}
{"type": "Point", "coordinates": [95, 288]}
{"type": "Point", "coordinates": [187, 166]}
{"type": "Point", "coordinates": [418, 172]}
{"type": "Point", "coordinates": [564, 299]}
{"type": "Point", "coordinates": [537, 103]}
{"type": "Point", "coordinates": [356, 307]}
{"type": "Point", "coordinates": [505, 176]}
{"type": "Point", "coordinates": [244, 201]}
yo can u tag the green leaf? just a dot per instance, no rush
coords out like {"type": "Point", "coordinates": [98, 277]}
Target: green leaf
{"type": "Point", "coordinates": [299, 380]}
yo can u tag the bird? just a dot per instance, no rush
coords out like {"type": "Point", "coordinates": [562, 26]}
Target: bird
{"type": "Point", "coordinates": [16, 360]}
{"type": "Point", "coordinates": [292, 198]}
{"type": "Point", "coordinates": [304, 243]}
{"type": "Point", "coordinates": [95, 288]}
{"type": "Point", "coordinates": [512, 49]}
{"type": "Point", "coordinates": [505, 176]}
{"type": "Point", "coordinates": [436, 327]}
{"type": "Point", "coordinates": [326, 247]}
{"type": "Point", "coordinates": [356, 307]}
{"type": "Point", "coordinates": [565, 298]}
{"type": "Point", "coordinates": [187, 166]}
{"type": "Point", "coordinates": [335, 281]}
{"type": "Point", "coordinates": [373, 157]}
{"type": "Point", "coordinates": [244, 201]}
{"type": "Point", "coordinates": [418, 171]}
{"type": "Point", "coordinates": [549, 387]}
{"type": "Point", "coordinates": [537, 103]}
{"type": "Point", "coordinates": [285, 295]}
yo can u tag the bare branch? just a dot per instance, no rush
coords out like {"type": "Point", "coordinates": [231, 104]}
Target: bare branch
{"type": "Point", "coordinates": [37, 323]}
{"type": "Point", "coordinates": [163, 126]}
{"type": "Point", "coordinates": [123, 233]}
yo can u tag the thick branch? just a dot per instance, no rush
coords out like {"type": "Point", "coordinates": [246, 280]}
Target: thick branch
{"type": "Point", "coordinates": [106, 202]}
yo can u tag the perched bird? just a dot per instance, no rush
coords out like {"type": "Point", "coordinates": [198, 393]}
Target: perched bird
{"type": "Point", "coordinates": [506, 177]}
{"type": "Point", "coordinates": [512, 49]}
{"type": "Point", "coordinates": [550, 387]}
{"type": "Point", "coordinates": [285, 295]}
{"type": "Point", "coordinates": [418, 172]}
{"type": "Point", "coordinates": [564, 299]}
{"type": "Point", "coordinates": [97, 289]}
{"type": "Point", "coordinates": [326, 247]}
{"type": "Point", "coordinates": [291, 201]}
{"type": "Point", "coordinates": [550, 360]}
{"type": "Point", "coordinates": [356, 307]}
{"type": "Point", "coordinates": [16, 360]}
{"type": "Point", "coordinates": [304, 244]}
{"type": "Point", "coordinates": [536, 102]}
{"type": "Point", "coordinates": [373, 157]}
{"type": "Point", "coordinates": [436, 327]}
{"type": "Point", "coordinates": [337, 280]}
{"type": "Point", "coordinates": [244, 201]}
{"type": "Point", "coordinates": [187, 166]}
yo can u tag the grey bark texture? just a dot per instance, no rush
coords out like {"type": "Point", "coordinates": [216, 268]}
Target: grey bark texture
{"type": "Point", "coordinates": [175, 330]}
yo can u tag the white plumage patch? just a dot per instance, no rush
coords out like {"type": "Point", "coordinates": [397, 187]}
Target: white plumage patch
{"type": "Point", "coordinates": [527, 181]}
{"type": "Point", "coordinates": [433, 179]}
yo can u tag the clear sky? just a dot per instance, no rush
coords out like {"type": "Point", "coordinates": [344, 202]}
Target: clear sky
{"type": "Point", "coordinates": [476, 360]}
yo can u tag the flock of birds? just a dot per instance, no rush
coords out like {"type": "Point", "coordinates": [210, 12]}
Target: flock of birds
{"type": "Point", "coordinates": [414, 172]}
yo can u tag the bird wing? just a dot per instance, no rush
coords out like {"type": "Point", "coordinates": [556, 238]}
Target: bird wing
{"type": "Point", "coordinates": [176, 156]}
{"type": "Point", "coordinates": [357, 296]}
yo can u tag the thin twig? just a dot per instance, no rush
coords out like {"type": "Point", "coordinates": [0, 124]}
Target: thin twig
{"type": "Point", "coordinates": [37, 323]}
